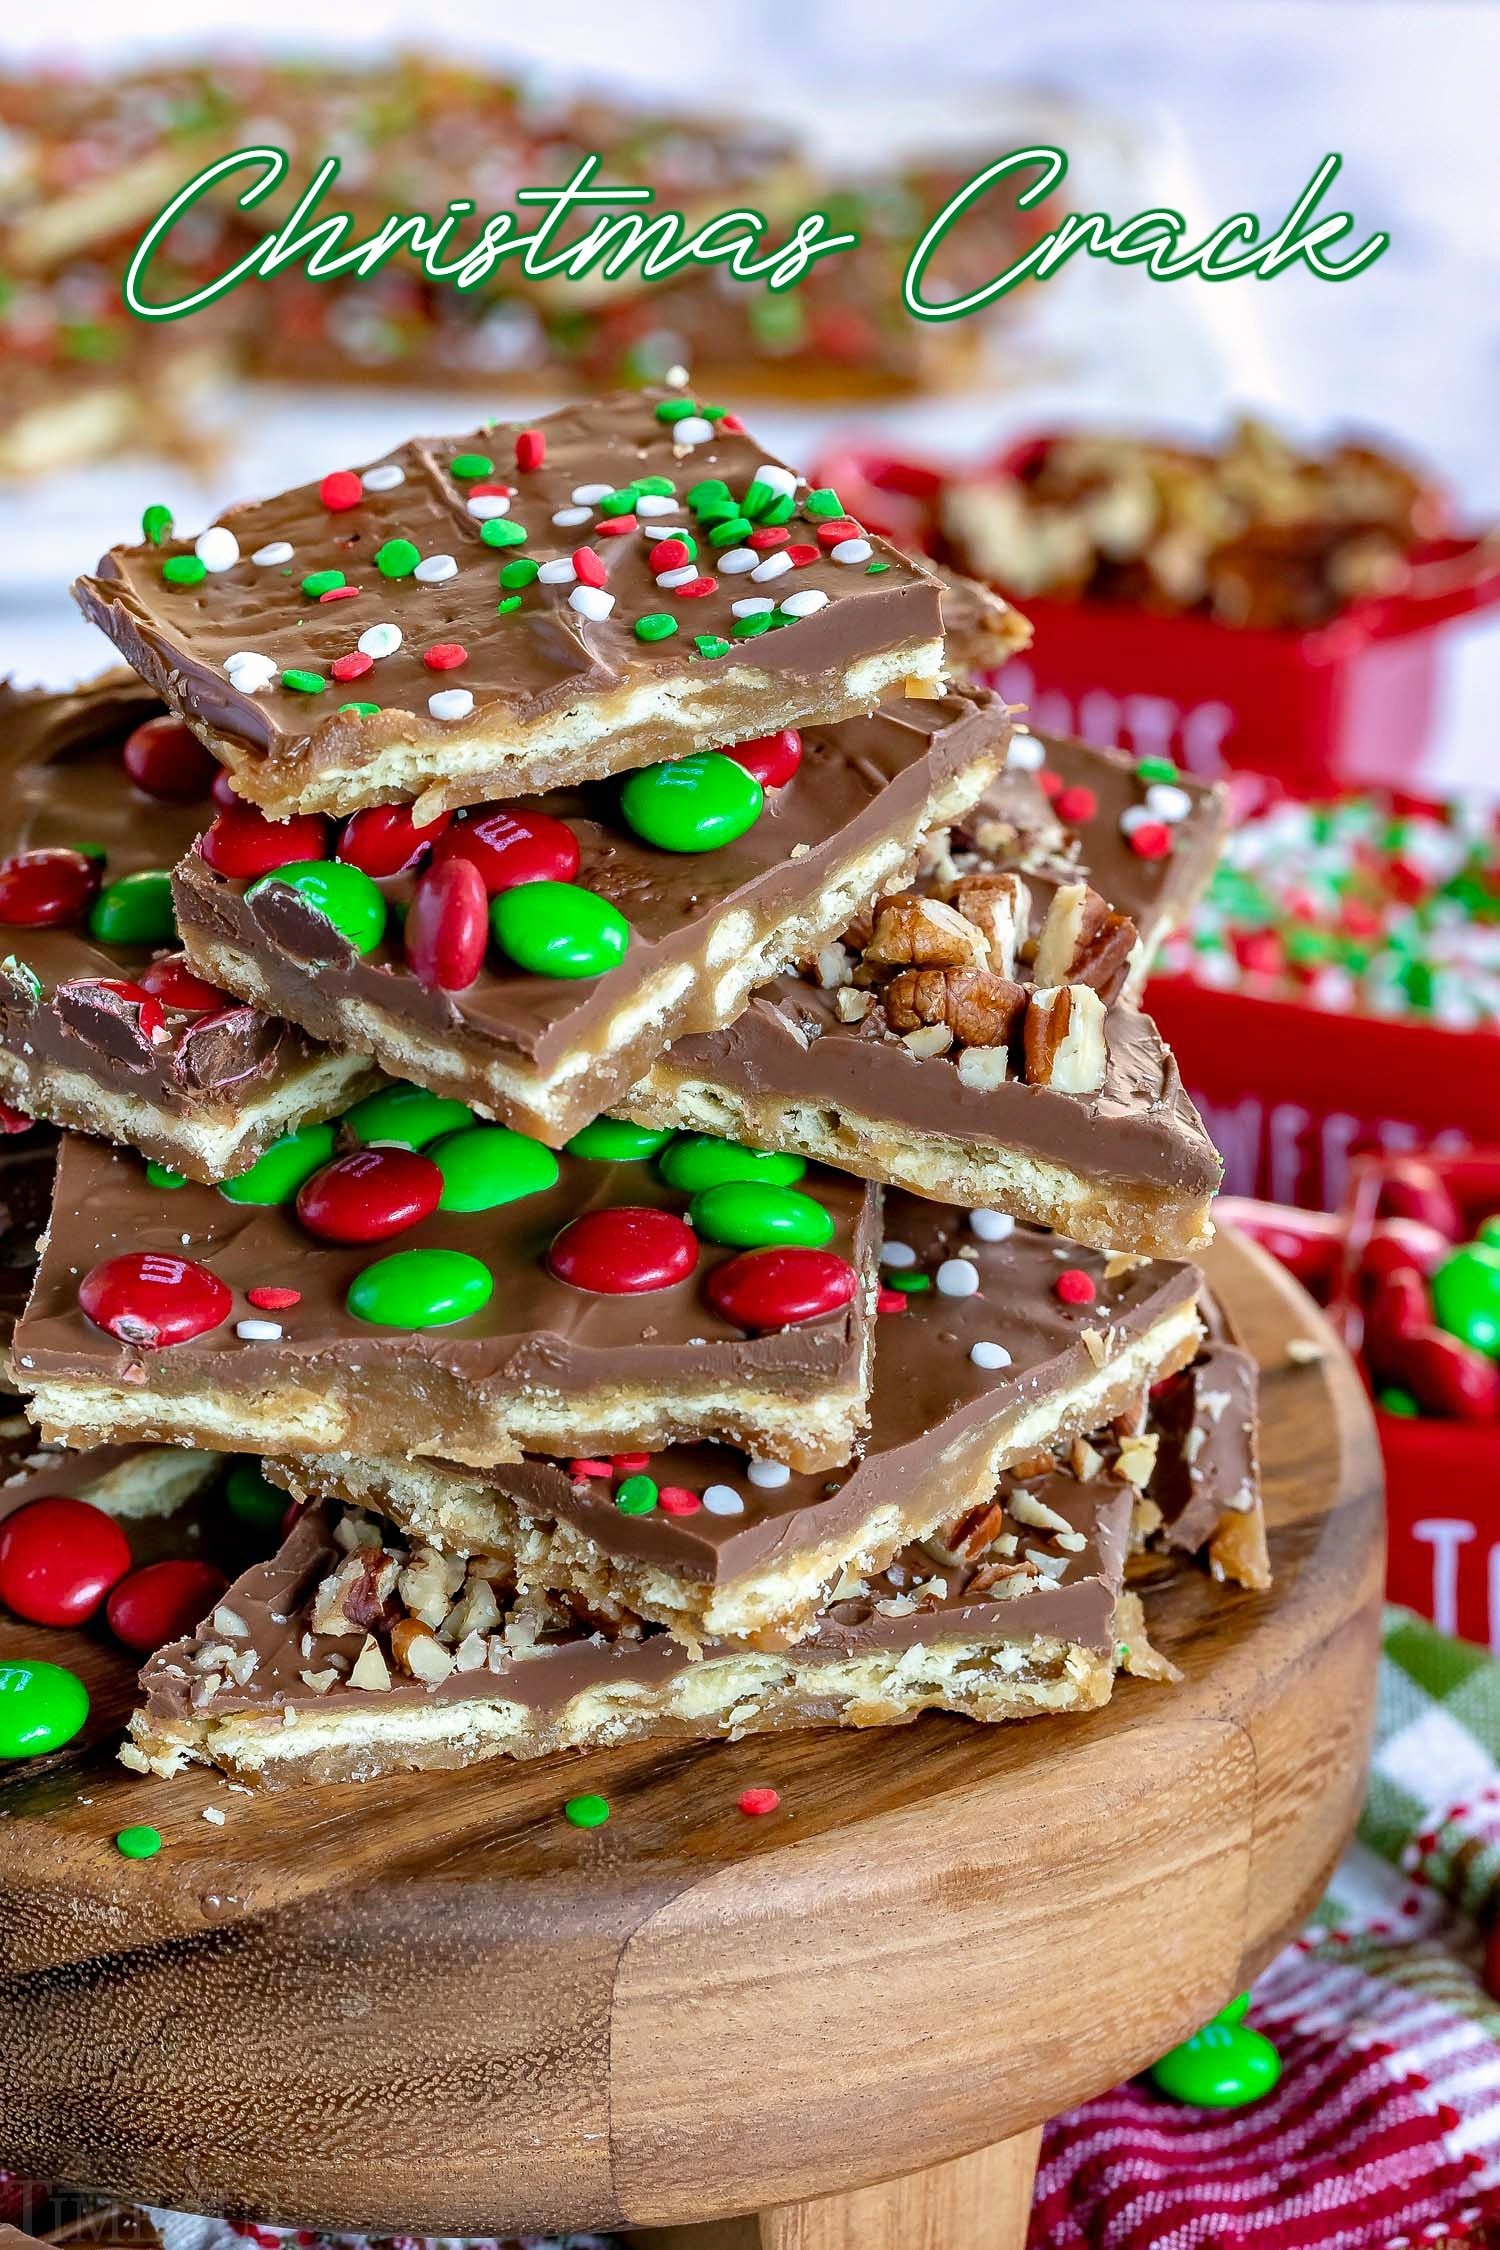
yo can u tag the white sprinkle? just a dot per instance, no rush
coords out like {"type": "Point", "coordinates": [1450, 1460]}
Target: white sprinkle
{"type": "Point", "coordinates": [591, 601]}
{"type": "Point", "coordinates": [957, 1278]}
{"type": "Point", "coordinates": [217, 548]}
{"type": "Point", "coordinates": [1025, 752]}
{"type": "Point", "coordinates": [379, 640]}
{"type": "Point", "coordinates": [681, 577]}
{"type": "Point", "coordinates": [589, 495]}
{"type": "Point", "coordinates": [213, 1814]}
{"type": "Point", "coordinates": [558, 572]}
{"type": "Point", "coordinates": [451, 703]}
{"type": "Point", "coordinates": [385, 478]}
{"type": "Point", "coordinates": [719, 1499]}
{"type": "Point", "coordinates": [769, 1475]}
{"type": "Point", "coordinates": [985, 1354]}
{"type": "Point", "coordinates": [693, 429]}
{"type": "Point", "coordinates": [656, 504]}
{"type": "Point", "coordinates": [487, 504]}
{"type": "Point", "coordinates": [754, 605]}
{"type": "Point", "coordinates": [1136, 816]}
{"type": "Point", "coordinates": [772, 473]}
{"type": "Point", "coordinates": [434, 569]}
{"type": "Point", "coordinates": [279, 551]}
{"type": "Point", "coordinates": [676, 378]}
{"type": "Point", "coordinates": [249, 671]}
{"type": "Point", "coordinates": [773, 566]}
{"type": "Point", "coordinates": [804, 604]}
{"type": "Point", "coordinates": [259, 1331]}
{"type": "Point", "coordinates": [1168, 802]}
{"type": "Point", "coordinates": [899, 1254]}
{"type": "Point", "coordinates": [655, 531]}
{"type": "Point", "coordinates": [992, 1226]}
{"type": "Point", "coordinates": [852, 551]}
{"type": "Point", "coordinates": [566, 518]}
{"type": "Point", "coordinates": [737, 559]}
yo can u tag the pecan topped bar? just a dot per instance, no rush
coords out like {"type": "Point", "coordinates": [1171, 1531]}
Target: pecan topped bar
{"type": "Point", "coordinates": [103, 1025]}
{"type": "Point", "coordinates": [469, 618]}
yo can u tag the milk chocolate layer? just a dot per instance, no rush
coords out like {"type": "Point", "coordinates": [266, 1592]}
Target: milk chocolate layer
{"type": "Point", "coordinates": [702, 924]}
{"type": "Point", "coordinates": [542, 1363]}
{"type": "Point", "coordinates": [533, 673]}
{"type": "Point", "coordinates": [931, 1402]}
{"type": "Point", "coordinates": [62, 784]}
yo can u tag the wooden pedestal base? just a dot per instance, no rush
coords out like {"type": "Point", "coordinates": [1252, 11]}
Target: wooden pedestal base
{"type": "Point", "coordinates": [978, 2202]}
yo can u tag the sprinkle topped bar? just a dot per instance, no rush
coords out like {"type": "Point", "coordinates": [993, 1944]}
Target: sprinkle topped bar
{"type": "Point", "coordinates": [413, 1278]}
{"type": "Point", "coordinates": [994, 1341]}
{"type": "Point", "coordinates": [103, 1025]}
{"type": "Point", "coordinates": [534, 959]}
{"type": "Point", "coordinates": [470, 618]}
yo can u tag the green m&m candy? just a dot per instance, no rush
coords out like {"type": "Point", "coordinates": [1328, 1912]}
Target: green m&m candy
{"type": "Point", "coordinates": [406, 1114]}
{"type": "Point", "coordinates": [421, 1289]}
{"type": "Point", "coordinates": [489, 1165]}
{"type": "Point", "coordinates": [1488, 1230]}
{"type": "Point", "coordinates": [636, 1496]}
{"type": "Point", "coordinates": [1466, 1296]}
{"type": "Point", "coordinates": [614, 1140]}
{"type": "Point", "coordinates": [696, 1161]}
{"type": "Point", "coordinates": [280, 1170]}
{"type": "Point", "coordinates": [1223, 2066]}
{"type": "Point", "coordinates": [252, 1498]}
{"type": "Point", "coordinates": [559, 929]}
{"type": "Point", "coordinates": [695, 804]}
{"type": "Point", "coordinates": [42, 1706]}
{"type": "Point", "coordinates": [750, 1214]}
{"type": "Point", "coordinates": [345, 896]}
{"type": "Point", "coordinates": [136, 910]}
{"type": "Point", "coordinates": [162, 1176]}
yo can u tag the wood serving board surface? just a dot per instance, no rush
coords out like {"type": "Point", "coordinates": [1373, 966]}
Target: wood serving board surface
{"type": "Point", "coordinates": [431, 2005]}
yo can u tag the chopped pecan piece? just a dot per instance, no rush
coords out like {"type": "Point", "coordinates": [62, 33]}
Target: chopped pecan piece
{"type": "Point", "coordinates": [1065, 1039]}
{"type": "Point", "coordinates": [973, 1532]}
{"type": "Point", "coordinates": [922, 933]}
{"type": "Point", "coordinates": [979, 1008]}
{"type": "Point", "coordinates": [1083, 941]}
{"type": "Point", "coordinates": [370, 1667]}
{"type": "Point", "coordinates": [1000, 905]}
{"type": "Point", "coordinates": [356, 1595]}
{"type": "Point", "coordinates": [418, 1651]}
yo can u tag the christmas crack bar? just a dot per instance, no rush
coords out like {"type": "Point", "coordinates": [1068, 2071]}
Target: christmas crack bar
{"type": "Point", "coordinates": [973, 1039]}
{"type": "Point", "coordinates": [996, 1342]}
{"type": "Point", "coordinates": [619, 583]}
{"type": "Point", "coordinates": [534, 958]}
{"type": "Point", "coordinates": [103, 1025]}
{"type": "Point", "coordinates": [358, 1651]}
{"type": "Point", "coordinates": [408, 1277]}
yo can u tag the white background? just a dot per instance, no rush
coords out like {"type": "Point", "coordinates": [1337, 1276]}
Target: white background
{"type": "Point", "coordinates": [1224, 107]}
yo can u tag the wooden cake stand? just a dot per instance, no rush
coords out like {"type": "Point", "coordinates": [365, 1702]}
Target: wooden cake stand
{"type": "Point", "coordinates": [430, 2005]}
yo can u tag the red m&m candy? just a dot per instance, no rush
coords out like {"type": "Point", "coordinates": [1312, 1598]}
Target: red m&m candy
{"type": "Point", "coordinates": [39, 889]}
{"type": "Point", "coordinates": [241, 842]}
{"type": "Point", "coordinates": [384, 839]}
{"type": "Point", "coordinates": [58, 1560]}
{"type": "Point", "coordinates": [776, 1288]}
{"type": "Point", "coordinates": [167, 760]}
{"type": "Point", "coordinates": [772, 758]}
{"type": "Point", "coordinates": [162, 1602]}
{"type": "Point", "coordinates": [619, 1253]}
{"type": "Point", "coordinates": [1449, 1378]}
{"type": "Point", "coordinates": [150, 1017]}
{"type": "Point", "coordinates": [175, 985]}
{"type": "Point", "coordinates": [366, 1197]}
{"type": "Point", "coordinates": [511, 846]}
{"type": "Point", "coordinates": [151, 1298]}
{"type": "Point", "coordinates": [448, 926]}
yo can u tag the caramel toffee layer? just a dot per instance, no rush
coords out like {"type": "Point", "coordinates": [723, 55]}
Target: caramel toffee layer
{"type": "Point", "coordinates": [559, 694]}
{"type": "Point", "coordinates": [703, 925]}
{"type": "Point", "coordinates": [340, 1616]}
{"type": "Point", "coordinates": [76, 1053]}
{"type": "Point", "coordinates": [939, 1419]}
{"type": "Point", "coordinates": [543, 1363]}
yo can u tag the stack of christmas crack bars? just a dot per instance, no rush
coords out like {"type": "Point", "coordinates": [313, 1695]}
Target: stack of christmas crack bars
{"type": "Point", "coordinates": [598, 1055]}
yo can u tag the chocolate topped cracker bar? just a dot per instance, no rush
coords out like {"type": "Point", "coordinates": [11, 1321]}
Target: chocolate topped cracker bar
{"type": "Point", "coordinates": [469, 618]}
{"type": "Point", "coordinates": [534, 959]}
{"type": "Point", "coordinates": [1204, 1496]}
{"type": "Point", "coordinates": [973, 1039]}
{"type": "Point", "coordinates": [411, 1280]}
{"type": "Point", "coordinates": [1011, 1342]}
{"type": "Point", "coordinates": [358, 1651]}
{"type": "Point", "coordinates": [102, 1023]}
